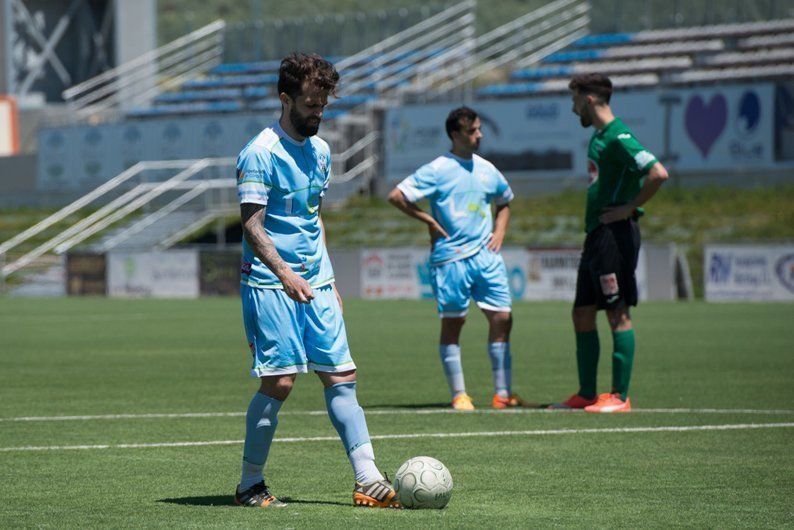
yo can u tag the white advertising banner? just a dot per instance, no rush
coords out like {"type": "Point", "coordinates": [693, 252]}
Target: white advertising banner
{"type": "Point", "coordinates": [533, 274]}
{"type": "Point", "coordinates": [170, 274]}
{"type": "Point", "coordinates": [388, 273]}
{"type": "Point", "coordinates": [689, 129]}
{"type": "Point", "coordinates": [749, 272]}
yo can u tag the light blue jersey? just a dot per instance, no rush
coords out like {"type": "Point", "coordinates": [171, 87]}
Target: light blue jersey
{"type": "Point", "coordinates": [460, 192]}
{"type": "Point", "coordinates": [289, 178]}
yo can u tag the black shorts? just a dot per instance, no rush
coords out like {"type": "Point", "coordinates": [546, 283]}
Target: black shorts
{"type": "Point", "coordinates": [606, 272]}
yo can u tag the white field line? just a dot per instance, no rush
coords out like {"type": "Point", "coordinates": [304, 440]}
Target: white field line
{"type": "Point", "coordinates": [376, 412]}
{"type": "Point", "coordinates": [609, 430]}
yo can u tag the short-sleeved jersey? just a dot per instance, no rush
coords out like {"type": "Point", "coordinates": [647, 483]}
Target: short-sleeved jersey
{"type": "Point", "coordinates": [289, 178]}
{"type": "Point", "coordinates": [460, 193]}
{"type": "Point", "coordinates": [616, 164]}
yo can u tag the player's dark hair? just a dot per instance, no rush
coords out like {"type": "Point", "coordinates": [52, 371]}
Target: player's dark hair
{"type": "Point", "coordinates": [456, 116]}
{"type": "Point", "coordinates": [595, 84]}
{"type": "Point", "coordinates": [298, 68]}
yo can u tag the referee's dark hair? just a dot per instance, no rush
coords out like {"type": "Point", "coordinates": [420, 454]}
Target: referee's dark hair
{"type": "Point", "coordinates": [455, 117]}
{"type": "Point", "coordinates": [596, 84]}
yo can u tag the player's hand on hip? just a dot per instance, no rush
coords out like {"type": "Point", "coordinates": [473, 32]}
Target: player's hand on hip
{"type": "Point", "coordinates": [616, 213]}
{"type": "Point", "coordinates": [495, 244]}
{"type": "Point", "coordinates": [436, 231]}
{"type": "Point", "coordinates": [297, 288]}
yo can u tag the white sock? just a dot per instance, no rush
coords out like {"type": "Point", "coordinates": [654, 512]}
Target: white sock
{"type": "Point", "coordinates": [362, 459]}
{"type": "Point", "coordinates": [252, 474]}
{"type": "Point", "coordinates": [499, 352]}
{"type": "Point", "coordinates": [453, 369]}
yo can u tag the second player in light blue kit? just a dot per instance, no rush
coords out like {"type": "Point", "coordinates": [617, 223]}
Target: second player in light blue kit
{"type": "Point", "coordinates": [465, 261]}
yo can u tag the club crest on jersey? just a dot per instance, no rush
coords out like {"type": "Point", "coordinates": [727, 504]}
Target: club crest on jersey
{"type": "Point", "coordinates": [592, 172]}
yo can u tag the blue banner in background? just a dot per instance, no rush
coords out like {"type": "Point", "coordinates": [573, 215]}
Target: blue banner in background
{"type": "Point", "coordinates": [710, 128]}
{"type": "Point", "coordinates": [80, 158]}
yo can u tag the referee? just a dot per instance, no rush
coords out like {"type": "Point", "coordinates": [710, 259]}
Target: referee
{"type": "Point", "coordinates": [623, 176]}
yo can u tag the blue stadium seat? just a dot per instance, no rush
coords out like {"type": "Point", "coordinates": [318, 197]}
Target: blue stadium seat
{"type": "Point", "coordinates": [606, 39]}
{"type": "Point", "coordinates": [540, 73]}
{"type": "Point", "coordinates": [514, 89]}
{"type": "Point", "coordinates": [198, 95]}
{"type": "Point", "coordinates": [232, 81]}
{"type": "Point", "coordinates": [246, 68]}
{"type": "Point", "coordinates": [187, 108]}
{"type": "Point", "coordinates": [569, 57]}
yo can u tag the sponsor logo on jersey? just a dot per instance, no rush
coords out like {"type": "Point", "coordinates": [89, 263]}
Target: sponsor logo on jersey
{"type": "Point", "coordinates": [643, 158]}
{"type": "Point", "coordinates": [624, 136]}
{"type": "Point", "coordinates": [245, 268]}
{"type": "Point", "coordinates": [323, 163]}
{"type": "Point", "coordinates": [592, 172]}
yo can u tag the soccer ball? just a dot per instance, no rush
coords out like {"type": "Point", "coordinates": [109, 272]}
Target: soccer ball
{"type": "Point", "coordinates": [423, 482]}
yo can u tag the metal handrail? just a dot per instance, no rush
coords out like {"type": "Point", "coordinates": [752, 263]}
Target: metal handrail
{"type": "Point", "coordinates": [528, 37]}
{"type": "Point", "coordinates": [190, 52]}
{"type": "Point", "coordinates": [466, 5]}
{"type": "Point", "coordinates": [90, 197]}
{"type": "Point", "coordinates": [132, 206]}
{"type": "Point", "coordinates": [459, 29]}
{"type": "Point", "coordinates": [193, 192]}
{"type": "Point", "coordinates": [99, 101]}
{"type": "Point", "coordinates": [549, 42]}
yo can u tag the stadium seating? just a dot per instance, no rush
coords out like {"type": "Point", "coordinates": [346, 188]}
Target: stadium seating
{"type": "Point", "coordinates": [233, 87]}
{"type": "Point", "coordinates": [671, 56]}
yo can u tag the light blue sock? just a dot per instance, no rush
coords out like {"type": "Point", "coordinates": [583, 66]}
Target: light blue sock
{"type": "Point", "coordinates": [260, 426]}
{"type": "Point", "coordinates": [499, 352]}
{"type": "Point", "coordinates": [348, 419]}
{"type": "Point", "coordinates": [453, 369]}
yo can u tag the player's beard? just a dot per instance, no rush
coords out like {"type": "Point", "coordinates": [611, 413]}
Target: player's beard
{"type": "Point", "coordinates": [303, 126]}
{"type": "Point", "coordinates": [585, 119]}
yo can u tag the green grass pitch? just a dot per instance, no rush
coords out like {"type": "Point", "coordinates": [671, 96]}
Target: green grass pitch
{"type": "Point", "coordinates": [699, 367]}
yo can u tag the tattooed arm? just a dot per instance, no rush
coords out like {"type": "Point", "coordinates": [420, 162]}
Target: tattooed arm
{"type": "Point", "coordinates": [253, 216]}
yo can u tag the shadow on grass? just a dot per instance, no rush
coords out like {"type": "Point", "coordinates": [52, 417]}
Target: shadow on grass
{"type": "Point", "coordinates": [228, 500]}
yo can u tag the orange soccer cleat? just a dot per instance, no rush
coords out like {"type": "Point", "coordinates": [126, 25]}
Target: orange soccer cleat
{"type": "Point", "coordinates": [513, 401]}
{"type": "Point", "coordinates": [462, 402]}
{"type": "Point", "coordinates": [609, 403]}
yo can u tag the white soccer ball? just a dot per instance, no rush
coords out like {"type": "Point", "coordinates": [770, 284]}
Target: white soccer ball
{"type": "Point", "coordinates": [423, 482]}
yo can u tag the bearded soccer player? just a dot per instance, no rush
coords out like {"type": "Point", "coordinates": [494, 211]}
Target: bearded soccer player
{"type": "Point", "coordinates": [623, 176]}
{"type": "Point", "coordinates": [465, 261]}
{"type": "Point", "coordinates": [292, 311]}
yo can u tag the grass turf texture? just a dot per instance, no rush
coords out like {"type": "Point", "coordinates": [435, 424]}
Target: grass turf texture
{"type": "Point", "coordinates": [98, 356]}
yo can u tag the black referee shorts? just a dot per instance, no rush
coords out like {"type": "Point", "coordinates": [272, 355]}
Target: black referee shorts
{"type": "Point", "coordinates": [606, 271]}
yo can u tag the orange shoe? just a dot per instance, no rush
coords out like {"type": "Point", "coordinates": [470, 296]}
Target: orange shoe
{"type": "Point", "coordinates": [610, 403]}
{"type": "Point", "coordinates": [574, 402]}
{"type": "Point", "coordinates": [462, 402]}
{"type": "Point", "coordinates": [512, 401]}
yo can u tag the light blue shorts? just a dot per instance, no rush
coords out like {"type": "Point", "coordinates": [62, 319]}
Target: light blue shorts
{"type": "Point", "coordinates": [287, 337]}
{"type": "Point", "coordinates": [482, 276]}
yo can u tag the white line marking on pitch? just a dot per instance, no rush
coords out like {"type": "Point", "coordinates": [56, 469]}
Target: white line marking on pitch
{"type": "Point", "coordinates": [733, 427]}
{"type": "Point", "coordinates": [375, 412]}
